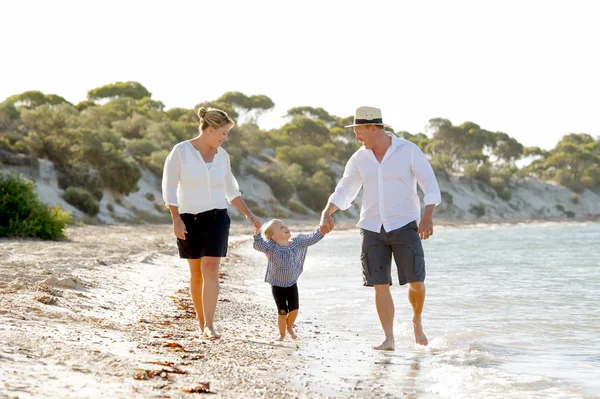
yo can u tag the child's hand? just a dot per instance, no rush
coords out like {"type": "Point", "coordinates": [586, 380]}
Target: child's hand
{"type": "Point", "coordinates": [324, 230]}
{"type": "Point", "coordinates": [256, 230]}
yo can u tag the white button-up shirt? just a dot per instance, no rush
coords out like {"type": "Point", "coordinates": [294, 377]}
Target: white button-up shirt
{"type": "Point", "coordinates": [390, 187]}
{"type": "Point", "coordinates": [191, 186]}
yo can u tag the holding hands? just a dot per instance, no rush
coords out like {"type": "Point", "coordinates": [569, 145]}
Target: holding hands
{"type": "Point", "coordinates": [327, 223]}
{"type": "Point", "coordinates": [255, 222]}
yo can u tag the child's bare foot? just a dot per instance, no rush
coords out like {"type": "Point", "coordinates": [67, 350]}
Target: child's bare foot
{"type": "Point", "coordinates": [210, 333]}
{"type": "Point", "coordinates": [292, 333]}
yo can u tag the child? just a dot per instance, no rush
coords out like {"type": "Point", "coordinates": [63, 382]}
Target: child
{"type": "Point", "coordinates": [285, 264]}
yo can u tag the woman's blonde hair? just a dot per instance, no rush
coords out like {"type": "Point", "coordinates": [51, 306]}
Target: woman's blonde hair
{"type": "Point", "coordinates": [213, 117]}
{"type": "Point", "coordinates": [268, 229]}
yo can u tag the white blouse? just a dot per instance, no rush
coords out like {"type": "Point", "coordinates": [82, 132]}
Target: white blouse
{"type": "Point", "coordinates": [189, 184]}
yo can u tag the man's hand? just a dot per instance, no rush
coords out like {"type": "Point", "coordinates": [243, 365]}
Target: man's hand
{"type": "Point", "coordinates": [254, 220]}
{"type": "Point", "coordinates": [425, 228]}
{"type": "Point", "coordinates": [179, 228]}
{"type": "Point", "coordinates": [327, 223]}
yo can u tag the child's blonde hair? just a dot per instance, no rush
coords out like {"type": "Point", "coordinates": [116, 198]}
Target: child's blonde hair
{"type": "Point", "coordinates": [267, 229]}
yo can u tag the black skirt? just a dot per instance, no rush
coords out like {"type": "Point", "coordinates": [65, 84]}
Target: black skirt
{"type": "Point", "coordinates": [207, 234]}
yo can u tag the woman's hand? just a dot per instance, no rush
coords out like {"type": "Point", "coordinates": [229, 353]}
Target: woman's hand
{"type": "Point", "coordinates": [179, 228]}
{"type": "Point", "coordinates": [254, 220]}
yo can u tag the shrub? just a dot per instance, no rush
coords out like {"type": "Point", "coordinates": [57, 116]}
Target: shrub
{"type": "Point", "coordinates": [502, 190]}
{"type": "Point", "coordinates": [149, 196]}
{"type": "Point", "coordinates": [139, 148]}
{"type": "Point", "coordinates": [447, 198]}
{"type": "Point", "coordinates": [155, 162]}
{"type": "Point", "coordinates": [22, 214]}
{"type": "Point", "coordinates": [110, 208]}
{"type": "Point", "coordinates": [315, 191]}
{"type": "Point", "coordinates": [81, 199]}
{"type": "Point", "coordinates": [81, 175]}
{"type": "Point", "coordinates": [253, 206]}
{"type": "Point", "coordinates": [478, 210]}
{"type": "Point", "coordinates": [282, 179]}
{"type": "Point", "coordinates": [575, 198]}
{"type": "Point", "coordinates": [478, 171]}
{"type": "Point", "coordinates": [297, 207]}
{"type": "Point", "coordinates": [121, 175]}
{"type": "Point", "coordinates": [570, 214]}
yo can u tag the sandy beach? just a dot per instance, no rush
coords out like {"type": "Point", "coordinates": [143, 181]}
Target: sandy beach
{"type": "Point", "coordinates": [107, 313]}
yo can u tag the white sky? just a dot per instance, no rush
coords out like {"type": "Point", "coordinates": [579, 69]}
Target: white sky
{"type": "Point", "coordinates": [530, 68]}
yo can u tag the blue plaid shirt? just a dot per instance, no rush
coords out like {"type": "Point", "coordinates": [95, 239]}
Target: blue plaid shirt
{"type": "Point", "coordinates": [285, 264]}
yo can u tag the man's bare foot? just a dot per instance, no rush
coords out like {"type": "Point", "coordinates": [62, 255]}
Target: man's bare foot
{"type": "Point", "coordinates": [292, 333]}
{"type": "Point", "coordinates": [387, 345]}
{"type": "Point", "coordinates": [210, 333]}
{"type": "Point", "coordinates": [420, 337]}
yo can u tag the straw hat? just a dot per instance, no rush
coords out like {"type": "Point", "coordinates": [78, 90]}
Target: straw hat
{"type": "Point", "coordinates": [367, 116]}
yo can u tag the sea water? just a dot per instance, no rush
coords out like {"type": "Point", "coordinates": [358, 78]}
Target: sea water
{"type": "Point", "coordinates": [512, 311]}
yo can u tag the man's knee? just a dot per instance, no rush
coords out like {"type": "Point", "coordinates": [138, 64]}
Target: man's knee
{"type": "Point", "coordinates": [417, 286]}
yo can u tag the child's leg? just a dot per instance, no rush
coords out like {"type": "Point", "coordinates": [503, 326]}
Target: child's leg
{"type": "Point", "coordinates": [293, 306]}
{"type": "Point", "coordinates": [281, 323]}
{"type": "Point", "coordinates": [282, 310]}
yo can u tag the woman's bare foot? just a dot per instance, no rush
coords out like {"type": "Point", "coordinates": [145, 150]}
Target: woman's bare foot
{"type": "Point", "coordinates": [420, 337]}
{"type": "Point", "coordinates": [210, 333]}
{"type": "Point", "coordinates": [281, 338]}
{"type": "Point", "coordinates": [292, 333]}
{"type": "Point", "coordinates": [387, 345]}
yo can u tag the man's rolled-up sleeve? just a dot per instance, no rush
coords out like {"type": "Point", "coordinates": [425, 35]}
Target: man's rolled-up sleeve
{"type": "Point", "coordinates": [348, 187]}
{"type": "Point", "coordinates": [426, 178]}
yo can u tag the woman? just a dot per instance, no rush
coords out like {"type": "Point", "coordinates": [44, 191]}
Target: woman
{"type": "Point", "coordinates": [197, 184]}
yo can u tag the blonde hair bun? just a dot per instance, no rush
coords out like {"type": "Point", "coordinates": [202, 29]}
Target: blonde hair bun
{"type": "Point", "coordinates": [202, 112]}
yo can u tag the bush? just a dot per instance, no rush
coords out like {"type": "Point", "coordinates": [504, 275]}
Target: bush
{"type": "Point", "coordinates": [81, 175]}
{"type": "Point", "coordinates": [121, 175]}
{"type": "Point", "coordinates": [502, 190]}
{"type": "Point", "coordinates": [297, 207]}
{"type": "Point", "coordinates": [22, 214]}
{"type": "Point", "coordinates": [575, 198]}
{"type": "Point", "coordinates": [478, 210]}
{"type": "Point", "coordinates": [570, 214]}
{"type": "Point", "coordinates": [110, 208]}
{"type": "Point", "coordinates": [315, 191]}
{"type": "Point", "coordinates": [149, 196]}
{"type": "Point", "coordinates": [282, 179]}
{"type": "Point", "coordinates": [447, 198]}
{"type": "Point", "coordinates": [254, 208]}
{"type": "Point", "coordinates": [81, 199]}
{"type": "Point", "coordinates": [478, 171]}
{"type": "Point", "coordinates": [155, 162]}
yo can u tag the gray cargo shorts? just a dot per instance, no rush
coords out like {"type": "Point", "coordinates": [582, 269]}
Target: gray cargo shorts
{"type": "Point", "coordinates": [377, 250]}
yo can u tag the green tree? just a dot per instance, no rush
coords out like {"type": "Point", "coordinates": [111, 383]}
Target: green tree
{"type": "Point", "coordinates": [119, 89]}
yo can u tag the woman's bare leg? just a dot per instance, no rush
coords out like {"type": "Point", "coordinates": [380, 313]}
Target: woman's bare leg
{"type": "Point", "coordinates": [196, 290]}
{"type": "Point", "coordinates": [210, 293]}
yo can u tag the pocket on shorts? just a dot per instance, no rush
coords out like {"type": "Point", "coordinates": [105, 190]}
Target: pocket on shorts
{"type": "Point", "coordinates": [418, 262]}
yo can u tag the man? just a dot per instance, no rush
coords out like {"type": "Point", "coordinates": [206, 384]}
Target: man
{"type": "Point", "coordinates": [389, 168]}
